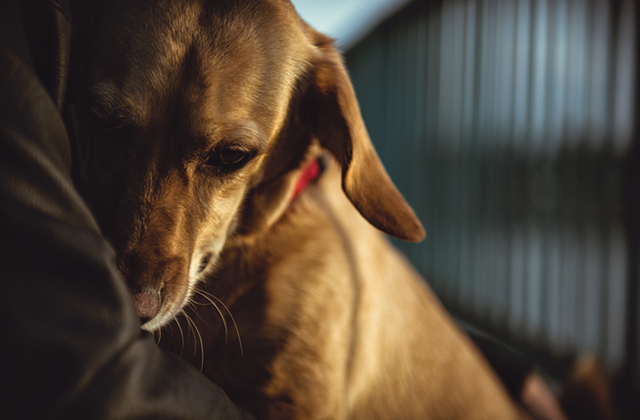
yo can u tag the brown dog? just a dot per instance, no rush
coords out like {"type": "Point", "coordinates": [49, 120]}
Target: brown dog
{"type": "Point", "coordinates": [202, 118]}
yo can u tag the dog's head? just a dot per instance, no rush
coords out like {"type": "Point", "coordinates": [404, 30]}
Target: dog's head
{"type": "Point", "coordinates": [198, 115]}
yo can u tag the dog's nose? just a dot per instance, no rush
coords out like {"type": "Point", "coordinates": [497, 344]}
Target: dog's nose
{"type": "Point", "coordinates": [147, 305]}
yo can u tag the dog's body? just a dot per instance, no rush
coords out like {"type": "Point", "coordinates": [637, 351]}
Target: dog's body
{"type": "Point", "coordinates": [334, 324]}
{"type": "Point", "coordinates": [202, 116]}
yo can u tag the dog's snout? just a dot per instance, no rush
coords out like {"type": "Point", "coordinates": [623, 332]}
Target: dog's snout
{"type": "Point", "coordinates": [147, 304]}
{"type": "Point", "coordinates": [157, 281]}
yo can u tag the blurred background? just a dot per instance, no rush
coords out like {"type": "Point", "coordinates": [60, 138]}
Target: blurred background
{"type": "Point", "coordinates": [511, 128]}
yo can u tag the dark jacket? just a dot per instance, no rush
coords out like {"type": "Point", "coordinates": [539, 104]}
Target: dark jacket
{"type": "Point", "coordinates": [71, 344]}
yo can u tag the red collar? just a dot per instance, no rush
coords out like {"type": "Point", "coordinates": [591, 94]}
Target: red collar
{"type": "Point", "coordinates": [308, 175]}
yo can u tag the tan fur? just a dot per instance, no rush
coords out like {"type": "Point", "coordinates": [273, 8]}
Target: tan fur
{"type": "Point", "coordinates": [328, 320]}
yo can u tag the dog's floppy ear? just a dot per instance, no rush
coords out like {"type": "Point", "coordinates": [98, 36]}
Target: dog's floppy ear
{"type": "Point", "coordinates": [339, 127]}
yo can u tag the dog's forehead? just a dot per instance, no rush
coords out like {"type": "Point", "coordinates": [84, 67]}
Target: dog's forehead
{"type": "Point", "coordinates": [209, 62]}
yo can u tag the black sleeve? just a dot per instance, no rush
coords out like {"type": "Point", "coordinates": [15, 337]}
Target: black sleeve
{"type": "Point", "coordinates": [71, 347]}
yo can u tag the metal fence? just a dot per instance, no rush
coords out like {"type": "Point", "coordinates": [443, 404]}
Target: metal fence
{"type": "Point", "coordinates": [504, 124]}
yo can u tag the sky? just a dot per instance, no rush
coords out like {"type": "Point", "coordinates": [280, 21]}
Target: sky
{"type": "Point", "coordinates": [348, 21]}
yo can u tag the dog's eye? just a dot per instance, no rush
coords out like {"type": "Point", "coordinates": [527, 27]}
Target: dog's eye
{"type": "Point", "coordinates": [229, 157]}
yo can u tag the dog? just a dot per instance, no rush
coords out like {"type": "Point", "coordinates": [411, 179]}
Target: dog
{"type": "Point", "coordinates": [228, 164]}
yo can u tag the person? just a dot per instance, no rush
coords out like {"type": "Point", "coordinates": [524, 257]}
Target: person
{"type": "Point", "coordinates": [72, 346]}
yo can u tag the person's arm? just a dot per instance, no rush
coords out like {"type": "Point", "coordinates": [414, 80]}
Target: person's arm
{"type": "Point", "coordinates": [71, 341]}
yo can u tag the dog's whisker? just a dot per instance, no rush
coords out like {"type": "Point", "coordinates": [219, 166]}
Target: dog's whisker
{"type": "Point", "coordinates": [114, 128]}
{"type": "Point", "coordinates": [208, 282]}
{"type": "Point", "coordinates": [181, 335]}
{"type": "Point", "coordinates": [193, 306]}
{"type": "Point", "coordinates": [195, 341]}
{"type": "Point", "coordinates": [235, 325]}
{"type": "Point", "coordinates": [224, 321]}
{"type": "Point", "coordinates": [201, 350]}
{"type": "Point", "coordinates": [189, 324]}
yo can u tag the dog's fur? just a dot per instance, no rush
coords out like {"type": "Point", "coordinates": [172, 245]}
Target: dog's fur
{"type": "Point", "coordinates": [329, 321]}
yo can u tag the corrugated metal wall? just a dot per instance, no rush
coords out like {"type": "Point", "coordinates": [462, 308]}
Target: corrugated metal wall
{"type": "Point", "coordinates": [504, 123]}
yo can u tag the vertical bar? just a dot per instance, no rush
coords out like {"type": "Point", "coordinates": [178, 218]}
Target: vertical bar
{"type": "Point", "coordinates": [431, 137]}
{"type": "Point", "coordinates": [445, 108]}
{"type": "Point", "coordinates": [600, 45]}
{"type": "Point", "coordinates": [484, 143]}
{"type": "Point", "coordinates": [405, 161]}
{"type": "Point", "coordinates": [625, 81]}
{"type": "Point", "coordinates": [418, 176]}
{"type": "Point", "coordinates": [466, 204]}
{"type": "Point", "coordinates": [577, 65]}
{"type": "Point", "coordinates": [520, 134]}
{"type": "Point", "coordinates": [455, 148]}
{"type": "Point", "coordinates": [538, 75]}
{"type": "Point", "coordinates": [533, 291]}
{"type": "Point", "coordinates": [623, 126]}
{"type": "Point", "coordinates": [631, 209]}
{"type": "Point", "coordinates": [617, 275]}
{"type": "Point", "coordinates": [593, 273]}
{"type": "Point", "coordinates": [555, 132]}
{"type": "Point", "coordinates": [504, 220]}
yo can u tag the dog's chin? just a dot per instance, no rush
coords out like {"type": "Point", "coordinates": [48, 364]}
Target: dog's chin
{"type": "Point", "coordinates": [155, 324]}
{"type": "Point", "coordinates": [168, 312]}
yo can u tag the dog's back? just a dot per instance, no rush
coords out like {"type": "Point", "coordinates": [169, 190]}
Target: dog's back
{"type": "Point", "coordinates": [410, 359]}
